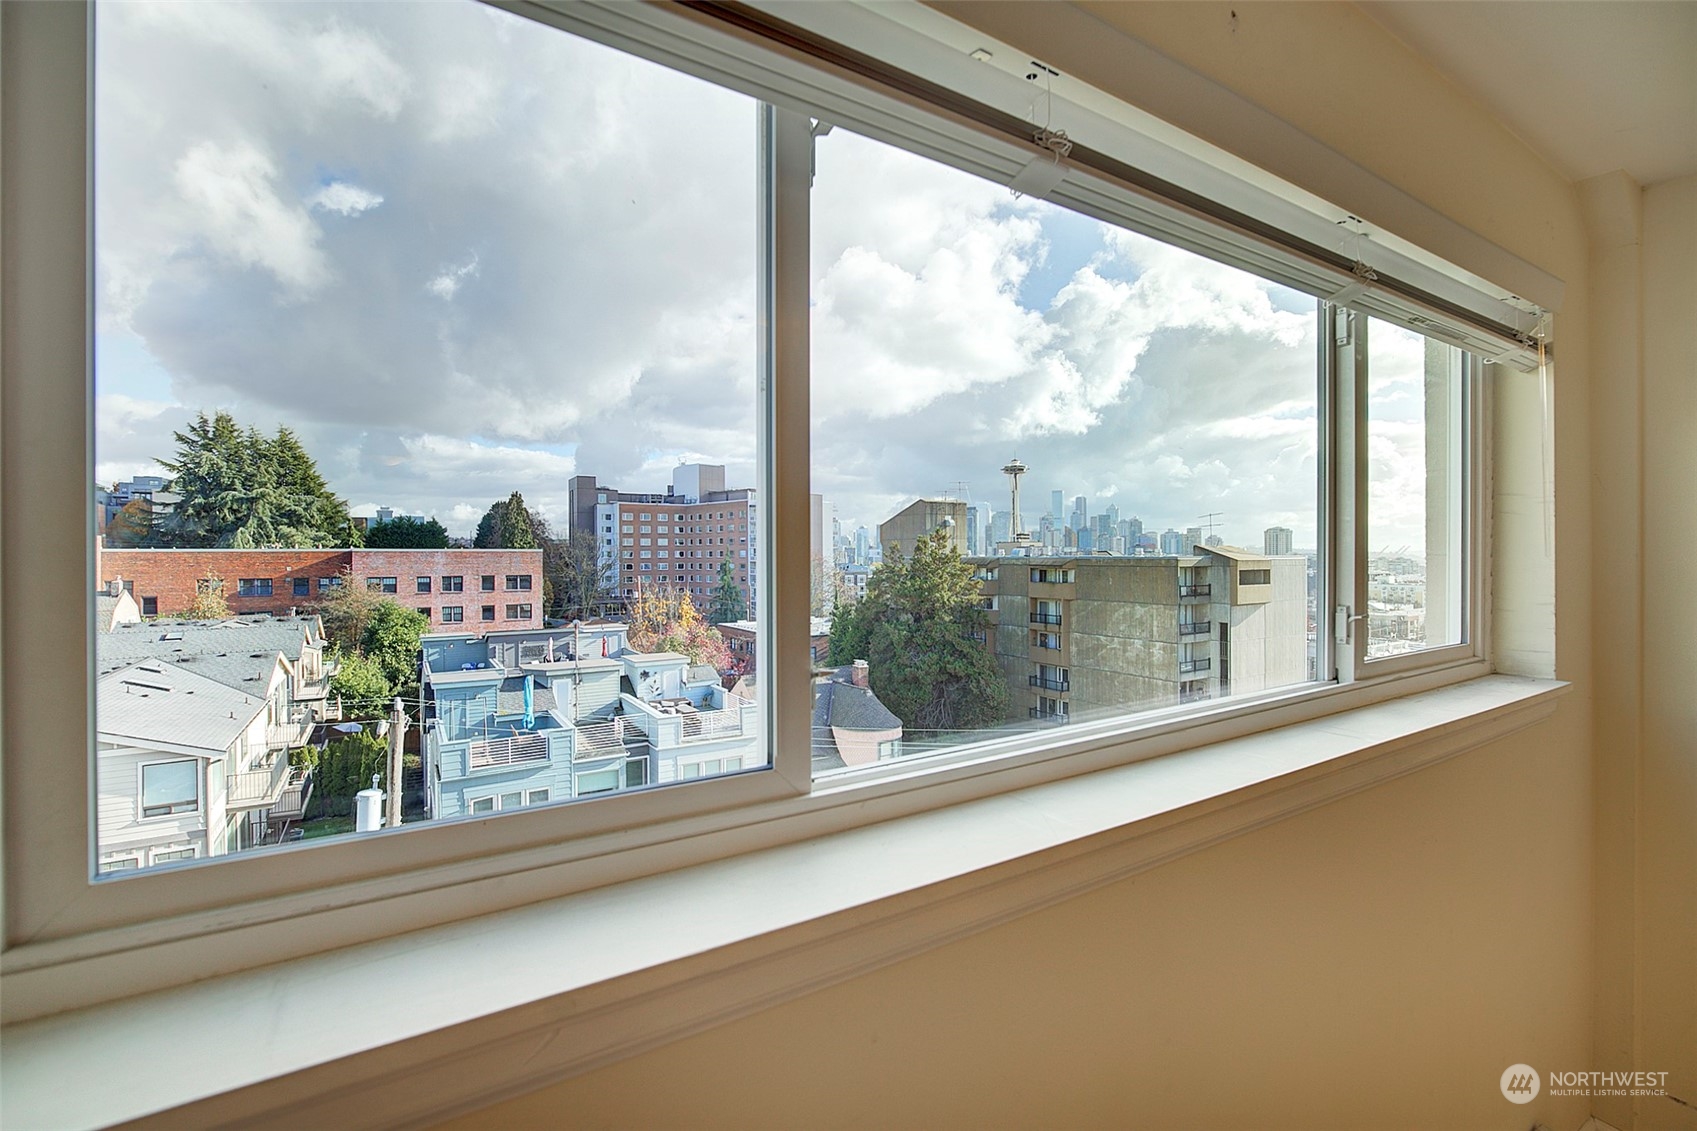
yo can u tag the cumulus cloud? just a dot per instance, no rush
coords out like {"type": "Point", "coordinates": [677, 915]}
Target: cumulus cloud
{"type": "Point", "coordinates": [243, 220]}
{"type": "Point", "coordinates": [344, 199]}
{"type": "Point", "coordinates": [558, 275]}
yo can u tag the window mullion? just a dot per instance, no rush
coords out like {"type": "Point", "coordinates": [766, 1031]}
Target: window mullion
{"type": "Point", "coordinates": [786, 176]}
{"type": "Point", "coordinates": [1347, 335]}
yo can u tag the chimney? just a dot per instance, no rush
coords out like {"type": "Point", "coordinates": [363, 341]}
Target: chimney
{"type": "Point", "coordinates": [859, 674]}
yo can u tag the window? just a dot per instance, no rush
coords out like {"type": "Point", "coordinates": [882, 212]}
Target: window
{"type": "Point", "coordinates": [150, 606]}
{"type": "Point", "coordinates": [423, 585]}
{"type": "Point", "coordinates": [425, 611]}
{"type": "Point", "coordinates": [518, 581]}
{"type": "Point", "coordinates": [1254, 577]}
{"type": "Point", "coordinates": [518, 612]}
{"type": "Point", "coordinates": [851, 229]}
{"type": "Point", "coordinates": [596, 781]}
{"type": "Point", "coordinates": [383, 584]}
{"type": "Point", "coordinates": [328, 583]}
{"type": "Point", "coordinates": [302, 586]}
{"type": "Point", "coordinates": [170, 787]}
{"type": "Point", "coordinates": [536, 797]}
{"type": "Point", "coordinates": [453, 583]}
{"type": "Point", "coordinates": [166, 855]}
{"type": "Point", "coordinates": [452, 614]}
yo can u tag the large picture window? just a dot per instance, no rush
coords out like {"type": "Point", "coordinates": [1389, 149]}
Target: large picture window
{"type": "Point", "coordinates": [554, 284]}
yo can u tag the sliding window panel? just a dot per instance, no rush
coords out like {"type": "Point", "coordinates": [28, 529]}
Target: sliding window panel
{"type": "Point", "coordinates": [427, 430]}
{"type": "Point", "coordinates": [1415, 588]}
{"type": "Point", "coordinates": [1062, 472]}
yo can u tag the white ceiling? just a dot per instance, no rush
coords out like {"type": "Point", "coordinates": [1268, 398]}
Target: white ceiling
{"type": "Point", "coordinates": [1592, 85]}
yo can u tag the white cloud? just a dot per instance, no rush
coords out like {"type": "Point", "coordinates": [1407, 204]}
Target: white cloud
{"type": "Point", "coordinates": [344, 199]}
{"type": "Point", "coordinates": [241, 217]}
{"type": "Point", "coordinates": [446, 283]}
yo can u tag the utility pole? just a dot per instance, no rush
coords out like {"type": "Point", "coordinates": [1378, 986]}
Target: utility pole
{"type": "Point", "coordinates": [397, 740]}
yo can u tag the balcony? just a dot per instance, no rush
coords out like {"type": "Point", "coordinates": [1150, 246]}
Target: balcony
{"type": "Point", "coordinates": [258, 788]}
{"type": "Point", "coordinates": [1196, 628]}
{"type": "Point", "coordinates": [296, 730]}
{"type": "Point", "coordinates": [1190, 667]}
{"type": "Point", "coordinates": [515, 750]}
{"type": "Point", "coordinates": [1046, 618]}
{"type": "Point", "coordinates": [1049, 683]}
{"type": "Point", "coordinates": [297, 791]}
{"type": "Point", "coordinates": [1055, 717]}
{"type": "Point", "coordinates": [1195, 590]}
{"type": "Point", "coordinates": [667, 723]}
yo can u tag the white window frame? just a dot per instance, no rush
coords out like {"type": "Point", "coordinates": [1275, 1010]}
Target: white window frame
{"type": "Point", "coordinates": [141, 789]}
{"type": "Point", "coordinates": [65, 927]}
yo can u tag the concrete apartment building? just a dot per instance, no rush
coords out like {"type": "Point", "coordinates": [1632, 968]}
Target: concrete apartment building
{"type": "Point", "coordinates": [919, 518]}
{"type": "Point", "coordinates": [1076, 635]}
{"type": "Point", "coordinates": [481, 588]}
{"type": "Point", "coordinates": [675, 537]}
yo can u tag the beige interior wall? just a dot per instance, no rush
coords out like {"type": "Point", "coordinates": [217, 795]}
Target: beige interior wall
{"type": "Point", "coordinates": [1667, 835]}
{"type": "Point", "coordinates": [1377, 962]}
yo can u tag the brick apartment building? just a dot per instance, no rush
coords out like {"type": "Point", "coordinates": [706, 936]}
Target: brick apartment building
{"type": "Point", "coordinates": [678, 537]}
{"type": "Point", "coordinates": [485, 589]}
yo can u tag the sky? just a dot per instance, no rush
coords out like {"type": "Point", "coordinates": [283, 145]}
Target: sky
{"type": "Point", "coordinates": [463, 254]}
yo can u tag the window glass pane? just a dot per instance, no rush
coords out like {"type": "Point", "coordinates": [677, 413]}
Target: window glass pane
{"type": "Point", "coordinates": [1062, 471]}
{"type": "Point", "coordinates": [169, 787]}
{"type": "Point", "coordinates": [393, 293]}
{"type": "Point", "coordinates": [1415, 492]}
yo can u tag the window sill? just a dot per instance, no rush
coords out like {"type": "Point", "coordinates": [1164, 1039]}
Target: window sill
{"type": "Point", "coordinates": [458, 1016]}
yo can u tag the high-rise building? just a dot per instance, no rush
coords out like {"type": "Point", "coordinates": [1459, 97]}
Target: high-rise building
{"type": "Point", "coordinates": [1057, 505]}
{"type": "Point", "coordinates": [1111, 634]}
{"type": "Point", "coordinates": [974, 531]}
{"type": "Point", "coordinates": [1172, 543]}
{"type": "Point", "coordinates": [1276, 540]}
{"type": "Point", "coordinates": [1001, 527]}
{"type": "Point", "coordinates": [862, 545]}
{"type": "Point", "coordinates": [676, 537]}
{"type": "Point", "coordinates": [1192, 538]}
{"type": "Point", "coordinates": [1080, 513]}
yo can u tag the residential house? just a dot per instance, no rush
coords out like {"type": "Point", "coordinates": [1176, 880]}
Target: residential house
{"type": "Point", "coordinates": [851, 726]}
{"type": "Point", "coordinates": [523, 718]}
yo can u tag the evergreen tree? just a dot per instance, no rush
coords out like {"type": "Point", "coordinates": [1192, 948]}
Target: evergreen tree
{"type": "Point", "coordinates": [407, 534]}
{"type": "Point", "coordinates": [728, 604]}
{"type": "Point", "coordinates": [507, 525]}
{"type": "Point", "coordinates": [851, 632]}
{"type": "Point", "coordinates": [923, 613]}
{"type": "Point", "coordinates": [244, 490]}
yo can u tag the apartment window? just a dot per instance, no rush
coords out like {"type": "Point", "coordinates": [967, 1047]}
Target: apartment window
{"type": "Point", "coordinates": [328, 583]}
{"type": "Point", "coordinates": [518, 581]}
{"type": "Point", "coordinates": [383, 584]}
{"type": "Point", "coordinates": [536, 797]}
{"type": "Point", "coordinates": [596, 781]}
{"type": "Point", "coordinates": [1254, 577]}
{"type": "Point", "coordinates": [300, 586]}
{"type": "Point", "coordinates": [150, 606]}
{"type": "Point", "coordinates": [1061, 290]}
{"type": "Point", "coordinates": [453, 583]}
{"type": "Point", "coordinates": [425, 611]}
{"type": "Point", "coordinates": [166, 855]}
{"type": "Point", "coordinates": [120, 864]}
{"type": "Point", "coordinates": [482, 805]}
{"type": "Point", "coordinates": [518, 612]}
{"type": "Point", "coordinates": [423, 585]}
{"type": "Point", "coordinates": [453, 614]}
{"type": "Point", "coordinates": [170, 787]}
